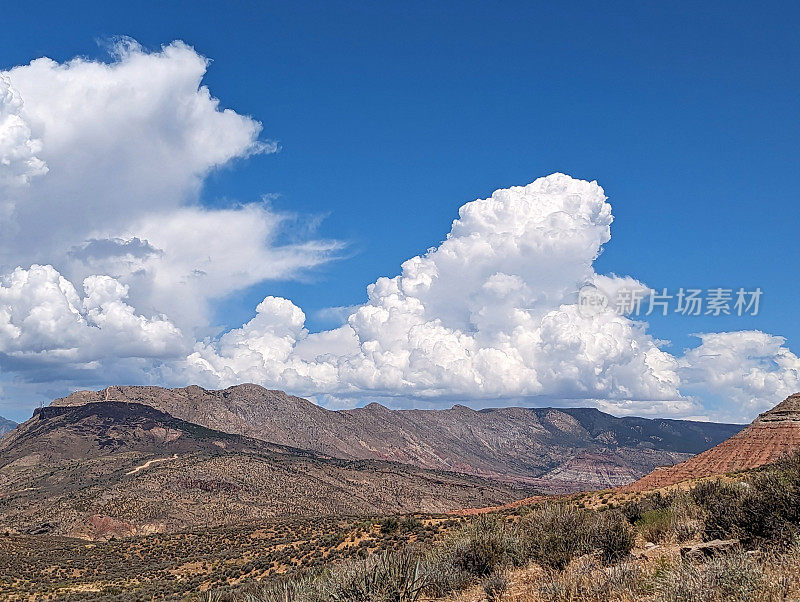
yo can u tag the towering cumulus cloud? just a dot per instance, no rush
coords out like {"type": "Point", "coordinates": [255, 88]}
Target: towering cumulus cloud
{"type": "Point", "coordinates": [489, 313]}
{"type": "Point", "coordinates": [120, 139]}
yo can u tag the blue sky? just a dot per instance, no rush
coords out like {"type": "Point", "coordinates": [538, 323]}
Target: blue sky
{"type": "Point", "coordinates": [390, 116]}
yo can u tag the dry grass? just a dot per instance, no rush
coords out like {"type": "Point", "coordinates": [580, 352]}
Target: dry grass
{"type": "Point", "coordinates": [737, 577]}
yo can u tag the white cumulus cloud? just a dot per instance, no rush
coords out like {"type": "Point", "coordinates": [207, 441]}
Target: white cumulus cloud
{"type": "Point", "coordinates": [490, 313]}
{"type": "Point", "coordinates": [120, 139]}
{"type": "Point", "coordinates": [749, 371]}
{"type": "Point", "coordinates": [44, 317]}
{"type": "Point", "coordinates": [101, 164]}
{"type": "Point", "coordinates": [18, 148]}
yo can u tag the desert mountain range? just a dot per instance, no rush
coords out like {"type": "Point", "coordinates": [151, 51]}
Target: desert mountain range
{"type": "Point", "coordinates": [554, 450]}
{"type": "Point", "coordinates": [134, 460]}
{"type": "Point", "coordinates": [126, 468]}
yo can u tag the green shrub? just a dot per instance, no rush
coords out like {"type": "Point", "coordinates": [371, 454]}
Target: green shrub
{"type": "Point", "coordinates": [483, 547]}
{"type": "Point", "coordinates": [478, 550]}
{"type": "Point", "coordinates": [721, 506]}
{"type": "Point", "coordinates": [762, 510]}
{"type": "Point", "coordinates": [411, 524]}
{"type": "Point", "coordinates": [389, 525]}
{"type": "Point", "coordinates": [635, 510]}
{"type": "Point", "coordinates": [612, 537]}
{"type": "Point", "coordinates": [657, 525]}
{"type": "Point", "coordinates": [555, 534]}
{"type": "Point", "coordinates": [386, 577]}
{"type": "Point", "coordinates": [769, 510]}
{"type": "Point", "coordinates": [443, 577]}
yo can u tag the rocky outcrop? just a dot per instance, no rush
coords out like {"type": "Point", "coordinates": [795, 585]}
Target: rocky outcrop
{"type": "Point", "coordinates": [787, 411]}
{"type": "Point", "coordinates": [770, 436]}
{"type": "Point", "coordinates": [708, 549]}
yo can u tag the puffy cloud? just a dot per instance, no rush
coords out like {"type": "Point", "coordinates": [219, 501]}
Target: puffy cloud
{"type": "Point", "coordinates": [189, 256]}
{"type": "Point", "coordinates": [18, 149]}
{"type": "Point", "coordinates": [120, 139]}
{"type": "Point", "coordinates": [266, 350]}
{"type": "Point", "coordinates": [100, 168]}
{"type": "Point", "coordinates": [128, 144]}
{"type": "Point", "coordinates": [748, 371]}
{"type": "Point", "coordinates": [489, 313]}
{"type": "Point", "coordinates": [44, 318]}
{"type": "Point", "coordinates": [624, 294]}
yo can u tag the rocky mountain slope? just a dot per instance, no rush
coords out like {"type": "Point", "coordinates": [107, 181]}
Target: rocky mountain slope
{"type": "Point", "coordinates": [771, 435]}
{"type": "Point", "coordinates": [125, 468]}
{"type": "Point", "coordinates": [6, 425]}
{"type": "Point", "coordinates": [555, 450]}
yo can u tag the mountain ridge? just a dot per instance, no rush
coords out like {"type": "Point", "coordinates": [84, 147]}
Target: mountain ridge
{"type": "Point", "coordinates": [553, 449]}
{"type": "Point", "coordinates": [124, 468]}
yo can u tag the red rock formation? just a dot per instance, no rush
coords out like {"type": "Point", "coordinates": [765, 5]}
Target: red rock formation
{"type": "Point", "coordinates": [771, 435]}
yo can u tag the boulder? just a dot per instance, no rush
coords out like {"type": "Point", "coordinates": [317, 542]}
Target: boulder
{"type": "Point", "coordinates": [709, 548]}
